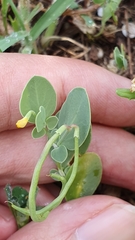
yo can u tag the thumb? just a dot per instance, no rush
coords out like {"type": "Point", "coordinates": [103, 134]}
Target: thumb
{"type": "Point", "coordinates": [95, 217]}
{"type": "Point", "coordinates": [114, 222]}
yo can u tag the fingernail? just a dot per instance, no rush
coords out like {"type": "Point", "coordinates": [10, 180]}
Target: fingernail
{"type": "Point", "coordinates": [115, 222]}
{"type": "Point", "coordinates": [5, 214]}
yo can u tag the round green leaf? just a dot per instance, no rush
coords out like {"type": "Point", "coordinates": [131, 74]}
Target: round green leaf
{"type": "Point", "coordinates": [75, 111]}
{"type": "Point", "coordinates": [59, 154]}
{"type": "Point", "coordinates": [51, 122]}
{"type": "Point", "coordinates": [38, 92]}
{"type": "Point", "coordinates": [40, 119]}
{"type": "Point", "coordinates": [88, 176]}
{"type": "Point", "coordinates": [36, 134]}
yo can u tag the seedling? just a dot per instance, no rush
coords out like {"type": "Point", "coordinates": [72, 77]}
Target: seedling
{"type": "Point", "coordinates": [120, 58]}
{"type": "Point", "coordinates": [109, 9]}
{"type": "Point", "coordinates": [69, 135]}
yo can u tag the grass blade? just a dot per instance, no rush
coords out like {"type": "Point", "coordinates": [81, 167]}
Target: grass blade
{"type": "Point", "coordinates": [55, 11]}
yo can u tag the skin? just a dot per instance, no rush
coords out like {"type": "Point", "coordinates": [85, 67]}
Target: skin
{"type": "Point", "coordinates": [19, 153]}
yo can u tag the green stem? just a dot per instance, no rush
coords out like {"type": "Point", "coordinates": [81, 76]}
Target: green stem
{"type": "Point", "coordinates": [36, 174]}
{"type": "Point", "coordinates": [41, 214]}
{"type": "Point", "coordinates": [17, 14]}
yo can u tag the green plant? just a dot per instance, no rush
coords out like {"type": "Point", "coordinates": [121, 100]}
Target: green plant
{"type": "Point", "coordinates": [19, 197]}
{"type": "Point", "coordinates": [127, 93]}
{"type": "Point", "coordinates": [120, 59]}
{"type": "Point", "coordinates": [69, 135]}
{"type": "Point", "coordinates": [109, 9]}
{"type": "Point", "coordinates": [21, 23]}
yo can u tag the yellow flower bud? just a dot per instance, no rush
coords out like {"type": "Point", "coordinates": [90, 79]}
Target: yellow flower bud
{"type": "Point", "coordinates": [22, 122]}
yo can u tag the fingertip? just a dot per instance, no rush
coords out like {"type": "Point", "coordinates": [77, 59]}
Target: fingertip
{"type": "Point", "coordinates": [7, 223]}
{"type": "Point", "coordinates": [114, 222]}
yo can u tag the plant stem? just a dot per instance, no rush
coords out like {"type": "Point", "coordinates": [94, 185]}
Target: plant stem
{"type": "Point", "coordinates": [17, 15]}
{"type": "Point", "coordinates": [41, 214]}
{"type": "Point", "coordinates": [36, 174]}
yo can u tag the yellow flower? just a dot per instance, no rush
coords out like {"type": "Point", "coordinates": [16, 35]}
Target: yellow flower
{"type": "Point", "coordinates": [22, 122]}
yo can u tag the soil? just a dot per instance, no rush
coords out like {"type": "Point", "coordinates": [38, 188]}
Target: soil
{"type": "Point", "coordinates": [73, 39]}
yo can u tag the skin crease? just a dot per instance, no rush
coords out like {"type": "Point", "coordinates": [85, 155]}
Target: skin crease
{"type": "Point", "coordinates": [114, 145]}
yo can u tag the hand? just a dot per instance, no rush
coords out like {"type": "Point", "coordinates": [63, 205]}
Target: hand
{"type": "Point", "coordinates": [94, 217]}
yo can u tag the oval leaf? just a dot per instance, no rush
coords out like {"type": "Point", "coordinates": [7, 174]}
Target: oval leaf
{"type": "Point", "coordinates": [88, 176]}
{"type": "Point", "coordinates": [59, 154]}
{"type": "Point", "coordinates": [51, 122]}
{"type": "Point", "coordinates": [126, 93]}
{"type": "Point", "coordinates": [75, 111]}
{"type": "Point", "coordinates": [38, 92]}
{"type": "Point", "coordinates": [36, 134]}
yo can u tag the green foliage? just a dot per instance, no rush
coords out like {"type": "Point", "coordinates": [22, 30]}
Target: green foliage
{"type": "Point", "coordinates": [22, 23]}
{"type": "Point", "coordinates": [109, 9]}
{"type": "Point", "coordinates": [72, 113]}
{"type": "Point", "coordinates": [10, 40]}
{"type": "Point", "coordinates": [69, 135]}
{"type": "Point", "coordinates": [119, 57]}
{"type": "Point", "coordinates": [19, 197]}
{"type": "Point", "coordinates": [4, 10]}
{"type": "Point", "coordinates": [125, 93]}
{"type": "Point", "coordinates": [59, 154]}
{"type": "Point", "coordinates": [35, 95]}
{"type": "Point", "coordinates": [99, 1]}
{"type": "Point", "coordinates": [88, 20]}
{"type": "Point", "coordinates": [55, 11]}
{"type": "Point", "coordinates": [88, 176]}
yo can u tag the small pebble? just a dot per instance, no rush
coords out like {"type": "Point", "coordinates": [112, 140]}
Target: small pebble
{"type": "Point", "coordinates": [131, 30]}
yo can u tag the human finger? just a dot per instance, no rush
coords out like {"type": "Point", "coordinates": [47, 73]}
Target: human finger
{"type": "Point", "coordinates": [96, 217]}
{"type": "Point", "coordinates": [115, 147]}
{"type": "Point", "coordinates": [64, 74]}
{"type": "Point", "coordinates": [7, 223]}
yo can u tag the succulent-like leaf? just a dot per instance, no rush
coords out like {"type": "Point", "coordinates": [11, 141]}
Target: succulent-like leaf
{"type": "Point", "coordinates": [38, 92]}
{"type": "Point", "coordinates": [75, 111]}
{"type": "Point", "coordinates": [51, 122]}
{"type": "Point", "coordinates": [88, 176]}
{"type": "Point", "coordinates": [36, 134]}
{"type": "Point", "coordinates": [59, 154]}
